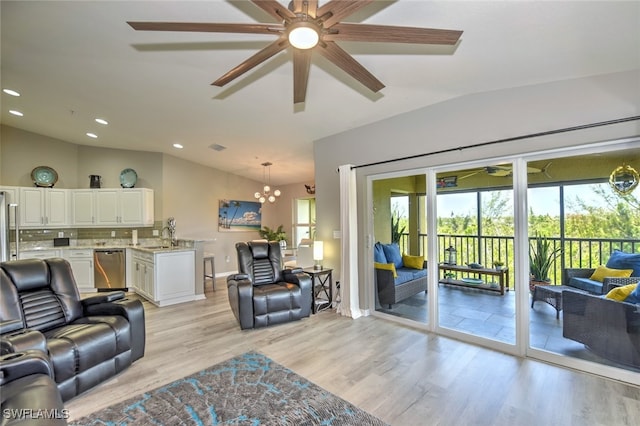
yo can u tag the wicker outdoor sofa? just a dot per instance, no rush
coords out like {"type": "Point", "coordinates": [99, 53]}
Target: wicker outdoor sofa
{"type": "Point", "coordinates": [609, 328]}
{"type": "Point", "coordinates": [579, 278]}
{"type": "Point", "coordinates": [396, 280]}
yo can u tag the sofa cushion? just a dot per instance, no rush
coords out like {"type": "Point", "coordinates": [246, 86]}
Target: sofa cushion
{"type": "Point", "coordinates": [586, 284]}
{"type": "Point", "coordinates": [409, 274]}
{"type": "Point", "coordinates": [378, 254]}
{"type": "Point", "coordinates": [415, 262]}
{"type": "Point", "coordinates": [634, 297]}
{"type": "Point", "coordinates": [621, 293]}
{"type": "Point", "coordinates": [388, 267]}
{"type": "Point", "coordinates": [602, 272]}
{"type": "Point", "coordinates": [392, 253]}
{"type": "Point", "coordinates": [622, 260]}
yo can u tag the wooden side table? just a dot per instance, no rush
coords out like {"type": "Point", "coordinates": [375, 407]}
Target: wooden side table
{"type": "Point", "coordinates": [322, 283]}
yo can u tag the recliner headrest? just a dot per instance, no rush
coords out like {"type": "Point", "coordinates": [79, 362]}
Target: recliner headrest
{"type": "Point", "coordinates": [259, 249]}
{"type": "Point", "coordinates": [28, 274]}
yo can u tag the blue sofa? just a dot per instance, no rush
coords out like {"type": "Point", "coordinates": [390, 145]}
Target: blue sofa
{"type": "Point", "coordinates": [408, 281]}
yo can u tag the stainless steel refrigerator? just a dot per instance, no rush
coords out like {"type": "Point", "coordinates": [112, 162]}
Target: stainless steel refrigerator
{"type": "Point", "coordinates": [7, 211]}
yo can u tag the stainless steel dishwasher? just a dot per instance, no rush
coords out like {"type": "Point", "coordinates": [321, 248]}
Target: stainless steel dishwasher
{"type": "Point", "coordinates": [109, 269]}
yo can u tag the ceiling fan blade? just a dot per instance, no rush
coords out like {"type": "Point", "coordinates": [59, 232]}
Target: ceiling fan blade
{"type": "Point", "coordinates": [258, 58]}
{"type": "Point", "coordinates": [208, 27]}
{"type": "Point", "coordinates": [335, 54]}
{"type": "Point", "coordinates": [469, 175]}
{"type": "Point", "coordinates": [391, 34]}
{"type": "Point", "coordinates": [309, 7]}
{"type": "Point", "coordinates": [275, 9]}
{"type": "Point", "coordinates": [301, 65]}
{"type": "Point", "coordinates": [336, 10]}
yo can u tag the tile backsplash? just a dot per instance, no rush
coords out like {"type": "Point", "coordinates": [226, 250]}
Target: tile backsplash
{"type": "Point", "coordinates": [45, 234]}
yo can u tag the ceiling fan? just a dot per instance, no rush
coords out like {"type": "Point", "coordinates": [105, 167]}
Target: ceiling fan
{"type": "Point", "coordinates": [306, 27]}
{"type": "Point", "coordinates": [505, 171]}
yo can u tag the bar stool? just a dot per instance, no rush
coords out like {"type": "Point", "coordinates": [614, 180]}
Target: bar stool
{"type": "Point", "coordinates": [209, 257]}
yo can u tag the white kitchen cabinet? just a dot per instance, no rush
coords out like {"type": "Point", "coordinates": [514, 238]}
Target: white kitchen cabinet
{"type": "Point", "coordinates": [112, 207]}
{"type": "Point", "coordinates": [44, 207]}
{"type": "Point", "coordinates": [81, 261]}
{"type": "Point", "coordinates": [83, 207]}
{"type": "Point", "coordinates": [39, 254]}
{"type": "Point", "coordinates": [142, 264]}
{"type": "Point", "coordinates": [164, 277]}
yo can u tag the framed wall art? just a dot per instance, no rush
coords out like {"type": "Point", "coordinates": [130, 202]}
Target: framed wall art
{"type": "Point", "coordinates": [239, 216]}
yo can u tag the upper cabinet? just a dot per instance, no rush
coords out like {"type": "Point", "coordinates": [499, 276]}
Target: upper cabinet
{"type": "Point", "coordinates": [82, 208]}
{"type": "Point", "coordinates": [44, 207]}
{"type": "Point", "coordinates": [112, 207]}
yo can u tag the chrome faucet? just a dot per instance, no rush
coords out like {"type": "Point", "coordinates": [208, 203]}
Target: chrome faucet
{"type": "Point", "coordinates": [171, 227]}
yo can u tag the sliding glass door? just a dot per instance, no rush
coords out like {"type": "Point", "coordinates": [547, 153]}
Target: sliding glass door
{"type": "Point", "coordinates": [475, 248]}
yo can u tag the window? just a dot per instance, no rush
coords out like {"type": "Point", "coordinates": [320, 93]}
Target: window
{"type": "Point", "coordinates": [305, 219]}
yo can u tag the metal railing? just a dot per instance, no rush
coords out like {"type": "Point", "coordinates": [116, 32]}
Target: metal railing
{"type": "Point", "coordinates": [485, 249]}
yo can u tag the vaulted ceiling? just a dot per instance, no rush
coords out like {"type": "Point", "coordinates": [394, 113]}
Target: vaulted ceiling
{"type": "Point", "coordinates": [74, 61]}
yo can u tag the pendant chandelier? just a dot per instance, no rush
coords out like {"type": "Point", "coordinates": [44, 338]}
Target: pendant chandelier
{"type": "Point", "coordinates": [266, 194]}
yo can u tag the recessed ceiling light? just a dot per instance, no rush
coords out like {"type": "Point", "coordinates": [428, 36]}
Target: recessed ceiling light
{"type": "Point", "coordinates": [11, 92]}
{"type": "Point", "coordinates": [177, 145]}
{"type": "Point", "coordinates": [14, 112]}
{"type": "Point", "coordinates": [92, 135]}
{"type": "Point", "coordinates": [102, 121]}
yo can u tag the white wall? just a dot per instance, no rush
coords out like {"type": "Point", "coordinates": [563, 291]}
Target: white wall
{"type": "Point", "coordinates": [187, 191]}
{"type": "Point", "coordinates": [466, 121]}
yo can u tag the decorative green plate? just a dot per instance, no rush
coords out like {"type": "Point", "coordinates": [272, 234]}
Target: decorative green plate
{"type": "Point", "coordinates": [472, 281]}
{"type": "Point", "coordinates": [44, 176]}
{"type": "Point", "coordinates": [128, 178]}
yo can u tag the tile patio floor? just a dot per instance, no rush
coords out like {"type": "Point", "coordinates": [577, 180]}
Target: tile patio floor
{"type": "Point", "coordinates": [490, 315]}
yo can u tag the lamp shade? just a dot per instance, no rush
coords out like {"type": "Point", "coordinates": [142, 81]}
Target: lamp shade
{"type": "Point", "coordinates": [318, 250]}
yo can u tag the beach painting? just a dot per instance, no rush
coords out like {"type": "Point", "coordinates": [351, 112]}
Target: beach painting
{"type": "Point", "coordinates": [239, 216]}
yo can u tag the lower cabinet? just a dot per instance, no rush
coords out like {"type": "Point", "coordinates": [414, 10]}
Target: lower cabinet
{"type": "Point", "coordinates": [81, 261]}
{"type": "Point", "coordinates": [164, 277]}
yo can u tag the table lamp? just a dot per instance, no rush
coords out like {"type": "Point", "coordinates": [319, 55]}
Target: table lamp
{"type": "Point", "coordinates": [318, 254]}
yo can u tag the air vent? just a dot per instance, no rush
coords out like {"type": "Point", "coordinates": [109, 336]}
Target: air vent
{"type": "Point", "coordinates": [217, 147]}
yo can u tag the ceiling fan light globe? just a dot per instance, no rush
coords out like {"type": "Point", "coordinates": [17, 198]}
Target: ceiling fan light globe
{"type": "Point", "coordinates": [272, 199]}
{"type": "Point", "coordinates": [262, 200]}
{"type": "Point", "coordinates": [257, 195]}
{"type": "Point", "coordinates": [266, 189]}
{"type": "Point", "coordinates": [277, 192]}
{"type": "Point", "coordinates": [303, 36]}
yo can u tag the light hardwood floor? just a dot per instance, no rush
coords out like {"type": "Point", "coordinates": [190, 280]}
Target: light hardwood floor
{"type": "Point", "coordinates": [401, 375]}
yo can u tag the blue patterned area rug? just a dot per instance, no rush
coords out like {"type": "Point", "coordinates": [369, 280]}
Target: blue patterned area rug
{"type": "Point", "coordinates": [250, 389]}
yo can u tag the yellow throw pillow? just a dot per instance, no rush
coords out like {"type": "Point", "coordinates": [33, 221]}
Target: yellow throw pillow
{"type": "Point", "coordinates": [621, 293]}
{"type": "Point", "coordinates": [602, 272]}
{"type": "Point", "coordinates": [414, 262]}
{"type": "Point", "coordinates": [387, 266]}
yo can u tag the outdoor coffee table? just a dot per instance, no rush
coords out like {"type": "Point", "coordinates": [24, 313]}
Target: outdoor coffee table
{"type": "Point", "coordinates": [552, 294]}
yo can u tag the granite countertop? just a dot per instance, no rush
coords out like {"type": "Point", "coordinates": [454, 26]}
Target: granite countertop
{"type": "Point", "coordinates": [150, 246]}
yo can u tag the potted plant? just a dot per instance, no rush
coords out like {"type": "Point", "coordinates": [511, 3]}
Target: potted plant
{"type": "Point", "coordinates": [542, 256]}
{"type": "Point", "coordinates": [396, 230]}
{"type": "Point", "coordinates": [274, 235]}
{"type": "Point", "coordinates": [498, 265]}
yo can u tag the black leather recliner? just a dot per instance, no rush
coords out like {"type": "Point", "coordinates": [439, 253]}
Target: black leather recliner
{"type": "Point", "coordinates": [87, 341]}
{"type": "Point", "coordinates": [29, 395]}
{"type": "Point", "coordinates": [263, 294]}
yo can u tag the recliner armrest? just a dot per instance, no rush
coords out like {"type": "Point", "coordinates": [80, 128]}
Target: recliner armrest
{"type": "Point", "coordinates": [133, 311]}
{"type": "Point", "coordinates": [21, 364]}
{"type": "Point", "coordinates": [238, 277]}
{"type": "Point", "coordinates": [103, 298]}
{"type": "Point", "coordinates": [292, 271]}
{"type": "Point", "coordinates": [23, 340]}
